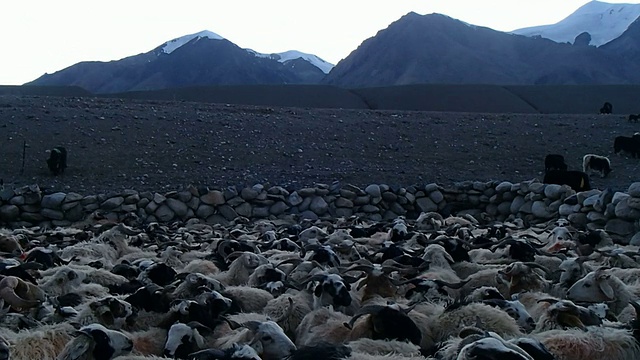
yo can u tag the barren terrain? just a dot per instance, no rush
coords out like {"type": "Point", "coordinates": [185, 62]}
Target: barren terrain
{"type": "Point", "coordinates": [161, 146]}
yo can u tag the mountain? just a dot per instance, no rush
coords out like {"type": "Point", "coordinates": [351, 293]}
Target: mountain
{"type": "Point", "coordinates": [604, 22]}
{"type": "Point", "coordinates": [438, 49]}
{"type": "Point", "coordinates": [204, 58]}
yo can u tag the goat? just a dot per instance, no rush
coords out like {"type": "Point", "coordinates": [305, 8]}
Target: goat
{"type": "Point", "coordinates": [554, 162]}
{"type": "Point", "coordinates": [627, 144]}
{"type": "Point", "coordinates": [592, 162]}
{"type": "Point", "coordinates": [57, 161]}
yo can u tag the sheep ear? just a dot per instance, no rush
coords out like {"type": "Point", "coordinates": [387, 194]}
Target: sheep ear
{"type": "Point", "coordinates": [606, 289]}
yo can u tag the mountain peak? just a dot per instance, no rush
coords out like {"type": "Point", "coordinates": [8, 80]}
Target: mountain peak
{"type": "Point", "coordinates": [172, 45]}
{"type": "Point", "coordinates": [602, 20]}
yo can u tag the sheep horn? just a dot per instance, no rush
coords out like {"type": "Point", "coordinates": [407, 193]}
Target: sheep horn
{"type": "Point", "coordinates": [457, 285]}
{"type": "Point", "coordinates": [234, 254]}
{"type": "Point", "coordinates": [361, 267]}
{"type": "Point", "coordinates": [548, 300]}
{"type": "Point", "coordinates": [8, 293]}
{"type": "Point", "coordinates": [536, 265]}
{"type": "Point", "coordinates": [222, 246]}
{"type": "Point", "coordinates": [252, 325]}
{"type": "Point", "coordinates": [316, 277]}
{"type": "Point", "coordinates": [288, 313]}
{"type": "Point", "coordinates": [366, 310]}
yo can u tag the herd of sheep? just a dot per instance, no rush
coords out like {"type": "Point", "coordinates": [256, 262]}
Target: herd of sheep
{"type": "Point", "coordinates": [434, 287]}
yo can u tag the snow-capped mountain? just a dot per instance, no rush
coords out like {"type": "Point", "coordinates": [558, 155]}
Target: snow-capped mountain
{"type": "Point", "coordinates": [284, 57]}
{"type": "Point", "coordinates": [172, 45]}
{"type": "Point", "coordinates": [603, 21]}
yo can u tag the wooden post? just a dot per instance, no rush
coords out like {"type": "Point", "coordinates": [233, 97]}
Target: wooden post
{"type": "Point", "coordinates": [24, 151]}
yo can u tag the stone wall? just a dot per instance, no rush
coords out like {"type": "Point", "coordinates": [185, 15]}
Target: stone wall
{"type": "Point", "coordinates": [618, 213]}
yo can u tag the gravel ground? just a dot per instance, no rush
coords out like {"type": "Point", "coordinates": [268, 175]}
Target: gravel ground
{"type": "Point", "coordinates": [162, 146]}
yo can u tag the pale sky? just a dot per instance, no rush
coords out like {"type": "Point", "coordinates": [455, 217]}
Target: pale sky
{"type": "Point", "coordinates": [43, 36]}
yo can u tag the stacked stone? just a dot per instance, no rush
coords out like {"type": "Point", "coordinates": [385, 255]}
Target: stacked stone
{"type": "Point", "coordinates": [618, 213]}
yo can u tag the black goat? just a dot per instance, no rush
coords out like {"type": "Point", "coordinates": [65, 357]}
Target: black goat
{"type": "Point", "coordinates": [57, 160]}
{"type": "Point", "coordinates": [607, 108]}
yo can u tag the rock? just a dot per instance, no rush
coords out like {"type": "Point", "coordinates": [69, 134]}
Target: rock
{"type": "Point", "coordinates": [604, 199]}
{"type": "Point", "coordinates": [17, 200]}
{"type": "Point", "coordinates": [566, 209]}
{"type": "Point", "coordinates": [389, 197]}
{"type": "Point", "coordinates": [584, 195]}
{"type": "Point", "coordinates": [492, 210]}
{"type": "Point", "coordinates": [230, 192]}
{"type": "Point", "coordinates": [436, 196]}
{"type": "Point", "coordinates": [571, 200]}
{"type": "Point", "coordinates": [319, 206]}
{"type": "Point", "coordinates": [178, 207]}
{"type": "Point", "coordinates": [194, 203]}
{"type": "Point", "coordinates": [218, 219]}
{"type": "Point", "coordinates": [594, 216]}
{"type": "Point", "coordinates": [53, 201]}
{"type": "Point", "coordinates": [537, 188]}
{"type": "Point", "coordinates": [634, 203]}
{"type": "Point", "coordinates": [6, 194]}
{"type": "Point", "coordinates": [504, 187]}
{"type": "Point", "coordinates": [131, 199]}
{"type": "Point", "coordinates": [52, 214]}
{"type": "Point", "coordinates": [591, 200]}
{"type": "Point", "coordinates": [204, 211]}
{"type": "Point", "coordinates": [248, 194]}
{"type": "Point", "coordinates": [159, 198]}
{"type": "Point", "coordinates": [32, 198]}
{"type": "Point", "coordinates": [429, 188]}
{"type": "Point", "coordinates": [348, 194]}
{"type": "Point", "coordinates": [305, 204]}
{"type": "Point", "coordinates": [635, 240]}
{"type": "Point", "coordinates": [343, 203]}
{"type": "Point", "coordinates": [31, 217]}
{"type": "Point", "coordinates": [72, 197]}
{"type": "Point", "coordinates": [504, 208]}
{"type": "Point", "coordinates": [228, 212]}
{"type": "Point", "coordinates": [425, 204]}
{"type": "Point", "coordinates": [370, 209]}
{"type": "Point", "coordinates": [306, 192]}
{"type": "Point", "coordinates": [261, 212]}
{"type": "Point", "coordinates": [9, 213]}
{"type": "Point", "coordinates": [308, 215]}
{"type": "Point", "coordinates": [112, 203]}
{"type": "Point", "coordinates": [516, 204]}
{"type": "Point", "coordinates": [539, 210]}
{"type": "Point", "coordinates": [128, 208]}
{"type": "Point", "coordinates": [398, 209]}
{"type": "Point", "coordinates": [74, 214]}
{"type": "Point", "coordinates": [373, 190]}
{"type": "Point", "coordinates": [553, 191]}
{"type": "Point", "coordinates": [620, 227]}
{"type": "Point", "coordinates": [295, 199]}
{"type": "Point", "coordinates": [361, 200]}
{"type": "Point", "coordinates": [278, 208]}
{"type": "Point", "coordinates": [244, 209]}
{"type": "Point", "coordinates": [634, 189]}
{"type": "Point", "coordinates": [578, 219]}
{"type": "Point", "coordinates": [213, 197]}
{"type": "Point", "coordinates": [164, 213]}
{"type": "Point", "coordinates": [619, 196]}
{"type": "Point", "coordinates": [624, 211]}
{"type": "Point", "coordinates": [344, 212]}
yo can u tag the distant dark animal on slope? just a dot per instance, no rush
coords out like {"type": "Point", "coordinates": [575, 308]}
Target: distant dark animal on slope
{"type": "Point", "coordinates": [57, 160]}
{"type": "Point", "coordinates": [627, 144]}
{"type": "Point", "coordinates": [592, 162]}
{"type": "Point", "coordinates": [554, 162]}
{"type": "Point", "coordinates": [577, 180]}
{"type": "Point", "coordinates": [607, 108]}
{"type": "Point", "coordinates": [634, 117]}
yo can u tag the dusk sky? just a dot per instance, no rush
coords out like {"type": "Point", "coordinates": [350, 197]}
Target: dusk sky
{"type": "Point", "coordinates": [43, 36]}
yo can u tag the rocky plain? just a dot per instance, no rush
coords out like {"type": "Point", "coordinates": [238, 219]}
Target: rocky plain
{"type": "Point", "coordinates": [116, 144]}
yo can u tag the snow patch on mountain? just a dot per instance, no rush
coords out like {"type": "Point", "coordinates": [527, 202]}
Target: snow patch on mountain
{"type": "Point", "coordinates": [287, 56]}
{"type": "Point", "coordinates": [603, 21]}
{"type": "Point", "coordinates": [172, 45]}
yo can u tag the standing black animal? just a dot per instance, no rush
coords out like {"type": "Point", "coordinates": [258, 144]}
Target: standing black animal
{"type": "Point", "coordinates": [577, 180]}
{"type": "Point", "coordinates": [634, 117]}
{"type": "Point", "coordinates": [607, 108]}
{"type": "Point", "coordinates": [627, 144]}
{"type": "Point", "coordinates": [57, 160]}
{"type": "Point", "coordinates": [554, 162]}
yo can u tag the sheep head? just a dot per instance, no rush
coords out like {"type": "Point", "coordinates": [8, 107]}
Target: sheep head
{"type": "Point", "coordinates": [19, 293]}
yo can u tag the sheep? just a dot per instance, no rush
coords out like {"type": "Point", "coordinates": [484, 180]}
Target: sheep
{"type": "Point", "coordinates": [600, 286]}
{"type": "Point", "coordinates": [19, 293]}
{"type": "Point", "coordinates": [291, 308]}
{"type": "Point", "coordinates": [236, 352]}
{"type": "Point", "coordinates": [266, 337]}
{"type": "Point", "coordinates": [241, 269]}
{"type": "Point", "coordinates": [184, 339]}
{"type": "Point", "coordinates": [598, 163]}
{"type": "Point", "coordinates": [593, 344]}
{"type": "Point", "coordinates": [248, 299]}
{"type": "Point", "coordinates": [109, 311]}
{"type": "Point", "coordinates": [44, 342]}
{"type": "Point", "coordinates": [94, 341]}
